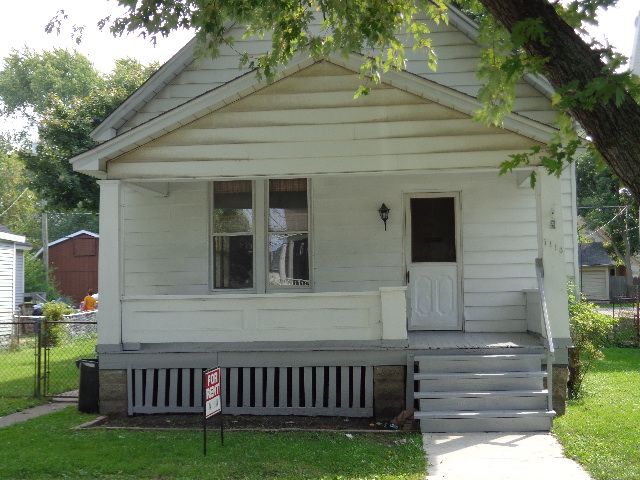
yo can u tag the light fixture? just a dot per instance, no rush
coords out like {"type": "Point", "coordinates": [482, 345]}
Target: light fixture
{"type": "Point", "coordinates": [384, 214]}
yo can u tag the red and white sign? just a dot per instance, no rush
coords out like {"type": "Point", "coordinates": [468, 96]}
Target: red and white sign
{"type": "Point", "coordinates": [212, 392]}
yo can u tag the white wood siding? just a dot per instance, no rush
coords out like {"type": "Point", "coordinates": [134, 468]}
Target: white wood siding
{"type": "Point", "coordinates": [458, 57]}
{"type": "Point", "coordinates": [352, 251]}
{"type": "Point", "coordinates": [166, 240]}
{"type": "Point", "coordinates": [569, 219]}
{"type": "Point", "coordinates": [310, 119]}
{"type": "Point", "coordinates": [7, 279]}
{"type": "Point", "coordinates": [251, 318]}
{"type": "Point", "coordinates": [19, 278]}
{"type": "Point", "coordinates": [291, 126]}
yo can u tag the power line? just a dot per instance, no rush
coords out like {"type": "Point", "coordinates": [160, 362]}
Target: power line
{"type": "Point", "coordinates": [624, 209]}
{"type": "Point", "coordinates": [14, 202]}
{"type": "Point", "coordinates": [604, 206]}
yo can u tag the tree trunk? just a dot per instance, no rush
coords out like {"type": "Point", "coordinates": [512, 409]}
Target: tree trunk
{"type": "Point", "coordinates": [575, 375]}
{"type": "Point", "coordinates": [613, 129]}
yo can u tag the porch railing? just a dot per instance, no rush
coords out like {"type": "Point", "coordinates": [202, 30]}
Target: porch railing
{"type": "Point", "coordinates": [545, 329]}
{"type": "Point", "coordinates": [276, 317]}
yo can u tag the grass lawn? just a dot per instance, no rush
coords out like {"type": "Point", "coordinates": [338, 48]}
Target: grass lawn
{"type": "Point", "coordinates": [602, 430]}
{"type": "Point", "coordinates": [47, 448]}
{"type": "Point", "coordinates": [17, 372]}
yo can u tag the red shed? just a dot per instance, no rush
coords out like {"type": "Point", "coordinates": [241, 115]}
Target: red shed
{"type": "Point", "coordinates": [74, 260]}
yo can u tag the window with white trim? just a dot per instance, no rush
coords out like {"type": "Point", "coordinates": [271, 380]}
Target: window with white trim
{"type": "Point", "coordinates": [288, 238]}
{"type": "Point", "coordinates": [233, 235]}
{"type": "Point", "coordinates": [260, 235]}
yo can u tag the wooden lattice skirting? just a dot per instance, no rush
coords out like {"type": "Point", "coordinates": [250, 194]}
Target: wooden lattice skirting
{"type": "Point", "coordinates": [317, 390]}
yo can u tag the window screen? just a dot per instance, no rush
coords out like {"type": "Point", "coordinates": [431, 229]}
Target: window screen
{"type": "Point", "coordinates": [433, 230]}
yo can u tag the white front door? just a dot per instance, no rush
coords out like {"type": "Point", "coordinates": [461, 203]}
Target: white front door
{"type": "Point", "coordinates": [433, 273]}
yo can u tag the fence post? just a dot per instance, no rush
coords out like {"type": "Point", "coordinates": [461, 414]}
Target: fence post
{"type": "Point", "coordinates": [637, 316]}
{"type": "Point", "coordinates": [38, 354]}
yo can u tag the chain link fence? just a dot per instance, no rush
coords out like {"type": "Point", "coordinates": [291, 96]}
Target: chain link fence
{"type": "Point", "coordinates": [38, 358]}
{"type": "Point", "coordinates": [627, 312]}
{"type": "Point", "coordinates": [18, 342]}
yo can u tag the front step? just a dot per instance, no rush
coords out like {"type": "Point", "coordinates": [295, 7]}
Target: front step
{"type": "Point", "coordinates": [479, 381]}
{"type": "Point", "coordinates": [471, 401]}
{"type": "Point", "coordinates": [479, 392]}
{"type": "Point", "coordinates": [485, 421]}
{"type": "Point", "coordinates": [524, 362]}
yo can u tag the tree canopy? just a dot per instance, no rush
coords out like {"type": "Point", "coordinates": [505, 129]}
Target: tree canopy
{"type": "Point", "coordinates": [18, 207]}
{"type": "Point", "coordinates": [66, 97]}
{"type": "Point", "coordinates": [29, 80]}
{"type": "Point", "coordinates": [519, 37]}
{"type": "Point", "coordinates": [607, 208]}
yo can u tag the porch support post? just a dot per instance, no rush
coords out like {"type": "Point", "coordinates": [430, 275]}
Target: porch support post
{"type": "Point", "coordinates": [109, 266]}
{"type": "Point", "coordinates": [393, 312]}
{"type": "Point", "coordinates": [551, 250]}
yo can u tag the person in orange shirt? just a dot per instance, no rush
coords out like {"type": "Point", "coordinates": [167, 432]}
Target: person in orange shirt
{"type": "Point", "coordinates": [89, 301]}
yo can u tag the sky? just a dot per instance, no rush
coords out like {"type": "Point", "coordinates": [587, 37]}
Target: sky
{"type": "Point", "coordinates": [22, 24]}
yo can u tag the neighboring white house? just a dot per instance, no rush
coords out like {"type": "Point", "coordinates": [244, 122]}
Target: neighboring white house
{"type": "Point", "coordinates": [12, 249]}
{"type": "Point", "coordinates": [240, 226]}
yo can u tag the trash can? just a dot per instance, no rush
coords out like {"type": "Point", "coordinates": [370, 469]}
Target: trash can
{"type": "Point", "coordinates": [88, 392]}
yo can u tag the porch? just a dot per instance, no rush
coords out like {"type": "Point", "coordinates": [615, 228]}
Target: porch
{"type": "Point", "coordinates": [475, 341]}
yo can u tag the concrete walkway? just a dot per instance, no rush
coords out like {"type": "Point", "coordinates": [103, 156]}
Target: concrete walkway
{"type": "Point", "coordinates": [498, 456]}
{"type": "Point", "coordinates": [34, 412]}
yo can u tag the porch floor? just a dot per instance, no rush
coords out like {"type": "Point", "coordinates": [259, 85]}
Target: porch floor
{"type": "Point", "coordinates": [431, 340]}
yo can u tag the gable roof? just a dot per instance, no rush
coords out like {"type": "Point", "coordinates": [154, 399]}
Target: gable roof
{"type": "Point", "coordinates": [186, 55]}
{"type": "Point", "coordinates": [93, 162]}
{"type": "Point", "coordinates": [155, 83]}
{"type": "Point", "coordinates": [594, 254]}
{"type": "Point", "coordinates": [69, 237]}
{"type": "Point", "coordinates": [8, 236]}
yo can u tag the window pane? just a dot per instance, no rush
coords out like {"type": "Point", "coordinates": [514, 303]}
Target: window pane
{"type": "Point", "coordinates": [433, 230]}
{"type": "Point", "coordinates": [288, 205]}
{"type": "Point", "coordinates": [233, 262]}
{"type": "Point", "coordinates": [289, 259]}
{"type": "Point", "coordinates": [232, 207]}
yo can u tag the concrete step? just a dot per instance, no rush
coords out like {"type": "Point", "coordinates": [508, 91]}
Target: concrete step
{"type": "Point", "coordinates": [482, 401]}
{"type": "Point", "coordinates": [479, 363]}
{"type": "Point", "coordinates": [486, 421]}
{"type": "Point", "coordinates": [479, 381]}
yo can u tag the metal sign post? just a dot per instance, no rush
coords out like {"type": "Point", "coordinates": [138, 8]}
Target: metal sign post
{"type": "Point", "coordinates": [211, 401]}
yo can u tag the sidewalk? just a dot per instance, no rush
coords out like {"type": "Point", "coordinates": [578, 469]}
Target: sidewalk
{"type": "Point", "coordinates": [34, 412]}
{"type": "Point", "coordinates": [498, 456]}
{"type": "Point", "coordinates": [58, 402]}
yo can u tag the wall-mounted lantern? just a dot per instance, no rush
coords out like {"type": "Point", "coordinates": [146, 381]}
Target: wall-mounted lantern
{"type": "Point", "coordinates": [384, 214]}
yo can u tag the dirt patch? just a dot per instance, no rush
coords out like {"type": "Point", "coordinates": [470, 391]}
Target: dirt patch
{"type": "Point", "coordinates": [250, 422]}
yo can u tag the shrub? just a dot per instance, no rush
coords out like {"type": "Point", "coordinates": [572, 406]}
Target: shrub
{"type": "Point", "coordinates": [35, 277]}
{"type": "Point", "coordinates": [590, 332]}
{"type": "Point", "coordinates": [54, 313]}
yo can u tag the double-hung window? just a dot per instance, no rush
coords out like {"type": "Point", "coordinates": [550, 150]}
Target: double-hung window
{"type": "Point", "coordinates": [288, 239]}
{"type": "Point", "coordinates": [260, 235]}
{"type": "Point", "coordinates": [233, 235]}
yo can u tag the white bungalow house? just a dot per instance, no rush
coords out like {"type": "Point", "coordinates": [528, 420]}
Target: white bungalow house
{"type": "Point", "coordinates": [12, 248]}
{"type": "Point", "coordinates": [240, 226]}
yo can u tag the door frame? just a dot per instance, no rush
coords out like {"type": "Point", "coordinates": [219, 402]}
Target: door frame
{"type": "Point", "coordinates": [456, 195]}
